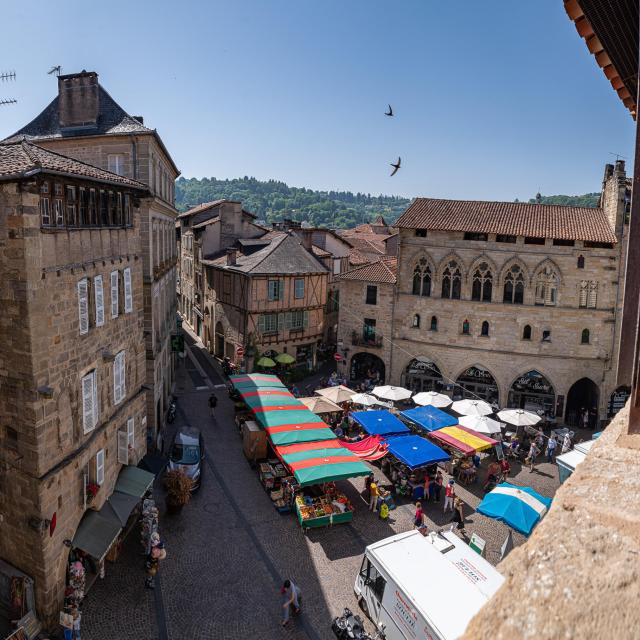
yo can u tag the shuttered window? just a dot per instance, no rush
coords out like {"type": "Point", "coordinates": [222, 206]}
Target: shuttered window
{"type": "Point", "coordinates": [128, 297]}
{"type": "Point", "coordinates": [100, 467]}
{"type": "Point", "coordinates": [123, 447]}
{"type": "Point", "coordinates": [89, 401]}
{"type": "Point", "coordinates": [584, 289]}
{"type": "Point", "coordinates": [83, 306]}
{"type": "Point", "coordinates": [592, 298]}
{"type": "Point", "coordinates": [114, 294]}
{"type": "Point", "coordinates": [131, 434]}
{"type": "Point", "coordinates": [99, 299]}
{"type": "Point", "coordinates": [119, 378]}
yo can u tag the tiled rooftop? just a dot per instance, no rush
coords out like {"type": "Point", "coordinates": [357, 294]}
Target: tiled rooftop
{"type": "Point", "coordinates": [383, 271]}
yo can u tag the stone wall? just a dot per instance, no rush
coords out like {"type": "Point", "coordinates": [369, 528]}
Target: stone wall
{"type": "Point", "coordinates": [578, 574]}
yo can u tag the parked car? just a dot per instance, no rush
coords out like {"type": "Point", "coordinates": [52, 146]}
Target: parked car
{"type": "Point", "coordinates": [187, 453]}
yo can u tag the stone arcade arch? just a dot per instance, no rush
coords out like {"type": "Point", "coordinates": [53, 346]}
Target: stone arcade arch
{"type": "Point", "coordinates": [362, 362]}
{"type": "Point", "coordinates": [533, 391]}
{"type": "Point", "coordinates": [476, 382]}
{"type": "Point", "coordinates": [583, 396]}
{"type": "Point", "coordinates": [422, 374]}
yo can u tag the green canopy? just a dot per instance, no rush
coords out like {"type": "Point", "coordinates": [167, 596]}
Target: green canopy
{"type": "Point", "coordinates": [265, 362]}
{"type": "Point", "coordinates": [95, 534]}
{"type": "Point", "coordinates": [306, 433]}
{"type": "Point", "coordinates": [325, 465]}
{"type": "Point", "coordinates": [250, 385]}
{"type": "Point", "coordinates": [288, 416]}
{"type": "Point", "coordinates": [285, 358]}
{"type": "Point", "coordinates": [271, 401]}
{"type": "Point", "coordinates": [134, 481]}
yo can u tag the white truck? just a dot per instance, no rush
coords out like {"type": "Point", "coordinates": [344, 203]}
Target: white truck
{"type": "Point", "coordinates": [416, 587]}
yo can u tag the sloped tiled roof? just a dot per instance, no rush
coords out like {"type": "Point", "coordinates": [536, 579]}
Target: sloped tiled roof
{"type": "Point", "coordinates": [202, 207]}
{"type": "Point", "coordinates": [383, 271]}
{"type": "Point", "coordinates": [19, 158]}
{"type": "Point", "coordinates": [283, 255]}
{"type": "Point", "coordinates": [509, 218]}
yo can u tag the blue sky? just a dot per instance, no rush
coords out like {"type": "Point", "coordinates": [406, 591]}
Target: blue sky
{"type": "Point", "coordinates": [494, 99]}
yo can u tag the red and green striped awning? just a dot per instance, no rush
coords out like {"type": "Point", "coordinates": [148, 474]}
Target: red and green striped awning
{"type": "Point", "coordinates": [308, 446]}
{"type": "Point", "coordinates": [288, 416]}
{"type": "Point", "coordinates": [256, 381]}
{"type": "Point", "coordinates": [318, 465]}
{"type": "Point", "coordinates": [294, 433]}
{"type": "Point", "coordinates": [264, 401]}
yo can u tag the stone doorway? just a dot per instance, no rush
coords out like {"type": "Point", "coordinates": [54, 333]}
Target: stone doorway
{"type": "Point", "coordinates": [362, 363]}
{"type": "Point", "coordinates": [583, 397]}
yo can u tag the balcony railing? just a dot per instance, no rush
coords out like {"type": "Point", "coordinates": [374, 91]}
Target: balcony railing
{"type": "Point", "coordinates": [366, 339]}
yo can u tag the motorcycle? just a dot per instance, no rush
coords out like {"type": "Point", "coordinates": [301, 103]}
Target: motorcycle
{"type": "Point", "coordinates": [171, 414]}
{"type": "Point", "coordinates": [349, 626]}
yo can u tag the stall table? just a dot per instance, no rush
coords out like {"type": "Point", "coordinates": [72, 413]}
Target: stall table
{"type": "Point", "coordinates": [332, 514]}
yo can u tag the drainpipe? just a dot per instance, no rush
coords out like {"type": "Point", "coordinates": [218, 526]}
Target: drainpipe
{"type": "Point", "coordinates": [134, 155]}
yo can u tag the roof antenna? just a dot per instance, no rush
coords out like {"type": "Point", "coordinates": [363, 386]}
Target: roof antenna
{"type": "Point", "coordinates": [57, 70]}
{"type": "Point", "coordinates": [538, 197]}
{"type": "Point", "coordinates": [8, 75]}
{"type": "Point", "coordinates": [617, 155]}
{"type": "Point", "coordinates": [11, 101]}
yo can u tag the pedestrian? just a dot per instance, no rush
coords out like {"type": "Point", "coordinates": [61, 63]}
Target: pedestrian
{"type": "Point", "coordinates": [77, 617]}
{"type": "Point", "coordinates": [585, 418]}
{"type": "Point", "coordinates": [427, 487]}
{"type": "Point", "coordinates": [531, 458]}
{"type": "Point", "coordinates": [551, 448]}
{"type": "Point", "coordinates": [449, 495]}
{"type": "Point", "coordinates": [458, 516]}
{"type": "Point", "coordinates": [566, 442]}
{"type": "Point", "coordinates": [157, 553]}
{"type": "Point", "coordinates": [367, 484]}
{"type": "Point", "coordinates": [374, 493]}
{"type": "Point", "coordinates": [213, 403]}
{"type": "Point", "coordinates": [438, 483]}
{"type": "Point", "coordinates": [291, 598]}
{"type": "Point", "coordinates": [505, 468]}
{"type": "Point", "coordinates": [66, 622]}
{"type": "Point", "coordinates": [418, 519]}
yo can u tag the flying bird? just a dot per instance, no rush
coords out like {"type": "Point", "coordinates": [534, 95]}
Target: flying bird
{"type": "Point", "coordinates": [395, 167]}
{"type": "Point", "coordinates": [390, 112]}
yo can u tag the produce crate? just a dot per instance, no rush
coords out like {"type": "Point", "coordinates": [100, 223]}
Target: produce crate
{"type": "Point", "coordinates": [323, 521]}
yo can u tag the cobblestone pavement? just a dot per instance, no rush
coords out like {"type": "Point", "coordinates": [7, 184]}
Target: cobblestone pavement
{"type": "Point", "coordinates": [229, 550]}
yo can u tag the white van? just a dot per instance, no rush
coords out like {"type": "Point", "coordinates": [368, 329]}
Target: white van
{"type": "Point", "coordinates": [416, 587]}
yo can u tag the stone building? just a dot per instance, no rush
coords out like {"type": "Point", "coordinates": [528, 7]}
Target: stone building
{"type": "Point", "coordinates": [367, 295]}
{"type": "Point", "coordinates": [205, 231]}
{"type": "Point", "coordinates": [85, 122]}
{"type": "Point", "coordinates": [72, 355]}
{"type": "Point", "coordinates": [515, 303]}
{"type": "Point", "coordinates": [268, 296]}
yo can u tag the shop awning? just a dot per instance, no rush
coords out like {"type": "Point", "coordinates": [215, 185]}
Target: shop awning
{"type": "Point", "coordinates": [295, 433]}
{"type": "Point", "coordinates": [258, 380]}
{"type": "Point", "coordinates": [465, 440]}
{"type": "Point", "coordinates": [308, 446]}
{"type": "Point", "coordinates": [258, 402]}
{"type": "Point", "coordinates": [371, 448]}
{"type": "Point", "coordinates": [266, 392]}
{"type": "Point", "coordinates": [96, 534]}
{"type": "Point", "coordinates": [288, 416]}
{"type": "Point", "coordinates": [415, 451]}
{"type": "Point", "coordinates": [324, 465]}
{"type": "Point", "coordinates": [379, 423]}
{"type": "Point", "coordinates": [134, 481]}
{"type": "Point", "coordinates": [118, 507]}
{"type": "Point", "coordinates": [429, 418]}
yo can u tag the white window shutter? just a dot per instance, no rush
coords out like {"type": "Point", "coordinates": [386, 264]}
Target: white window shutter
{"type": "Point", "coordinates": [128, 297]}
{"type": "Point", "coordinates": [83, 306]}
{"type": "Point", "coordinates": [131, 433]}
{"type": "Point", "coordinates": [593, 295]}
{"type": "Point", "coordinates": [117, 384]}
{"type": "Point", "coordinates": [583, 294]}
{"type": "Point", "coordinates": [100, 467]}
{"type": "Point", "coordinates": [99, 296]}
{"type": "Point", "coordinates": [123, 386]}
{"type": "Point", "coordinates": [96, 403]}
{"type": "Point", "coordinates": [114, 294]}
{"type": "Point", "coordinates": [88, 404]}
{"type": "Point", "coordinates": [123, 447]}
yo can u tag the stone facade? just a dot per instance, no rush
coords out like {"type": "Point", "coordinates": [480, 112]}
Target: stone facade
{"type": "Point", "coordinates": [47, 445]}
{"type": "Point", "coordinates": [564, 330]}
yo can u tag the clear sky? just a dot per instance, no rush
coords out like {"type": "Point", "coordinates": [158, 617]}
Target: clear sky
{"type": "Point", "coordinates": [494, 99]}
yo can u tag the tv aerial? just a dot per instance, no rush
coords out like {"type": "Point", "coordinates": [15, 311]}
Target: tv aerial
{"type": "Point", "coordinates": [57, 70]}
{"type": "Point", "coordinates": [7, 76]}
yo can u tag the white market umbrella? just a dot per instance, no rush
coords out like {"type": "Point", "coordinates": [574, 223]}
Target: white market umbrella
{"type": "Point", "coordinates": [337, 394]}
{"type": "Point", "coordinates": [519, 417]}
{"type": "Point", "coordinates": [472, 407]}
{"type": "Point", "coordinates": [389, 392]}
{"type": "Point", "coordinates": [481, 424]}
{"type": "Point", "coordinates": [432, 398]}
{"type": "Point", "coordinates": [365, 399]}
{"type": "Point", "coordinates": [320, 404]}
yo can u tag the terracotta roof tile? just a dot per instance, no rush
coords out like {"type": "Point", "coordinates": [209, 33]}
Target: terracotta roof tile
{"type": "Point", "coordinates": [509, 218]}
{"type": "Point", "coordinates": [18, 159]}
{"type": "Point", "coordinates": [383, 271]}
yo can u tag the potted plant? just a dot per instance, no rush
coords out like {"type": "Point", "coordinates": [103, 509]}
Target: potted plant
{"type": "Point", "coordinates": [178, 486]}
{"type": "Point", "coordinates": [92, 491]}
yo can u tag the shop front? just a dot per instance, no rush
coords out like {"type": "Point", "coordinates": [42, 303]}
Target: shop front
{"type": "Point", "coordinates": [533, 392]}
{"type": "Point", "coordinates": [476, 382]}
{"type": "Point", "coordinates": [421, 374]}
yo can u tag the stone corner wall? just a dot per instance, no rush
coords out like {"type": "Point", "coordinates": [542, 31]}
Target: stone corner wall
{"type": "Point", "coordinates": [578, 576]}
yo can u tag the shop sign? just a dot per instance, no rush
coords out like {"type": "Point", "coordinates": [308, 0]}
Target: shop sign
{"type": "Point", "coordinates": [618, 399]}
{"type": "Point", "coordinates": [423, 367]}
{"type": "Point", "coordinates": [239, 351]}
{"type": "Point", "coordinates": [404, 614]}
{"type": "Point", "coordinates": [533, 382]}
{"type": "Point", "coordinates": [477, 544]}
{"type": "Point", "coordinates": [477, 374]}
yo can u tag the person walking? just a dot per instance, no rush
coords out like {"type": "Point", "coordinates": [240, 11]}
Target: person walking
{"type": "Point", "coordinates": [438, 485]}
{"type": "Point", "coordinates": [374, 493]}
{"type": "Point", "coordinates": [551, 448]}
{"type": "Point", "coordinates": [213, 403]}
{"type": "Point", "coordinates": [531, 458]}
{"type": "Point", "coordinates": [458, 516]}
{"type": "Point", "coordinates": [157, 553]}
{"type": "Point", "coordinates": [418, 519]}
{"type": "Point", "coordinates": [449, 495]}
{"type": "Point", "coordinates": [291, 596]}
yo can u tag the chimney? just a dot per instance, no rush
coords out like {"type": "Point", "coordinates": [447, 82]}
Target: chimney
{"type": "Point", "coordinates": [140, 119]}
{"type": "Point", "coordinates": [614, 195]}
{"type": "Point", "coordinates": [78, 101]}
{"type": "Point", "coordinates": [307, 240]}
{"type": "Point", "coordinates": [231, 257]}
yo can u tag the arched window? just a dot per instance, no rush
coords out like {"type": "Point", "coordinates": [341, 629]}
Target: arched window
{"type": "Point", "coordinates": [451, 281]}
{"type": "Point", "coordinates": [422, 279]}
{"type": "Point", "coordinates": [416, 320]}
{"type": "Point", "coordinates": [434, 323]}
{"type": "Point", "coordinates": [482, 283]}
{"type": "Point", "coordinates": [547, 287]}
{"type": "Point", "coordinates": [466, 327]}
{"type": "Point", "coordinates": [585, 336]}
{"type": "Point", "coordinates": [485, 329]}
{"type": "Point", "coordinates": [513, 292]}
{"type": "Point", "coordinates": [526, 332]}
{"type": "Point", "coordinates": [580, 262]}
{"type": "Point", "coordinates": [546, 335]}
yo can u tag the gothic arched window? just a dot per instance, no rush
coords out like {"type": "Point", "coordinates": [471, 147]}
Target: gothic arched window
{"type": "Point", "coordinates": [482, 283]}
{"type": "Point", "coordinates": [584, 339]}
{"type": "Point", "coordinates": [451, 281]}
{"type": "Point", "coordinates": [526, 332]}
{"type": "Point", "coordinates": [485, 329]}
{"type": "Point", "coordinates": [547, 287]}
{"type": "Point", "coordinates": [434, 323]}
{"type": "Point", "coordinates": [513, 292]}
{"type": "Point", "coordinates": [422, 279]}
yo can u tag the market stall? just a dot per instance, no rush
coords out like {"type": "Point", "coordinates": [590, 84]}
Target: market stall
{"type": "Point", "coordinates": [429, 418]}
{"type": "Point", "coordinates": [323, 510]}
{"type": "Point", "coordinates": [337, 394]}
{"type": "Point", "coordinates": [371, 448]}
{"type": "Point", "coordinates": [320, 405]}
{"type": "Point", "coordinates": [380, 423]}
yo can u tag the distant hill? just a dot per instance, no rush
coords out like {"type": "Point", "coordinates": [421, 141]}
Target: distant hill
{"type": "Point", "coordinates": [585, 200]}
{"type": "Point", "coordinates": [273, 200]}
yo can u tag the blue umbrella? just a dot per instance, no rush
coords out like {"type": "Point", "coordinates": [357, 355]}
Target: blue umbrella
{"type": "Point", "coordinates": [518, 507]}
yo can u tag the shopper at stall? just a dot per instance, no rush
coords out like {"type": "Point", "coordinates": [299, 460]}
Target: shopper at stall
{"type": "Point", "coordinates": [438, 485]}
{"type": "Point", "coordinates": [449, 495]}
{"type": "Point", "coordinates": [458, 516]}
{"type": "Point", "coordinates": [374, 493]}
{"type": "Point", "coordinates": [77, 617]}
{"type": "Point", "coordinates": [158, 553]}
{"type": "Point", "coordinates": [551, 448]}
{"type": "Point", "coordinates": [291, 596]}
{"type": "Point", "coordinates": [505, 469]}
